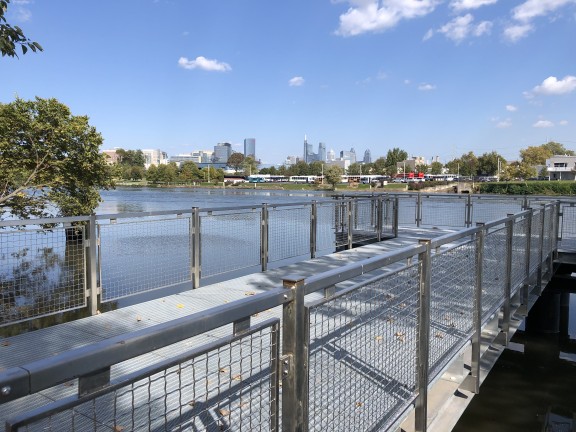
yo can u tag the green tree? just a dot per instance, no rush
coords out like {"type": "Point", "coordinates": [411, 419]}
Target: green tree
{"type": "Point", "coordinates": [316, 168]}
{"type": "Point", "coordinates": [131, 157]}
{"type": "Point", "coordinates": [489, 163]}
{"type": "Point", "coordinates": [537, 155]}
{"type": "Point", "coordinates": [49, 157]}
{"type": "Point", "coordinates": [189, 172]}
{"type": "Point", "coordinates": [379, 166]}
{"type": "Point", "coordinates": [333, 175]}
{"type": "Point", "coordinates": [250, 166]}
{"type": "Point", "coordinates": [394, 156]}
{"type": "Point", "coordinates": [13, 36]}
{"type": "Point", "coordinates": [468, 165]}
{"type": "Point", "coordinates": [436, 168]}
{"type": "Point", "coordinates": [236, 161]}
{"type": "Point", "coordinates": [519, 170]}
{"type": "Point", "coordinates": [354, 169]}
{"type": "Point", "coordinates": [423, 168]}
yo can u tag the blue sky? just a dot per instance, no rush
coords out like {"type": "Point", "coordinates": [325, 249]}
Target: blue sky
{"type": "Point", "coordinates": [433, 77]}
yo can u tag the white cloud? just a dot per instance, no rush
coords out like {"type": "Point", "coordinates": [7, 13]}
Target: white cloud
{"type": "Point", "coordinates": [375, 15]}
{"type": "Point", "coordinates": [563, 122]}
{"type": "Point", "coordinates": [20, 11]}
{"type": "Point", "coordinates": [531, 9]}
{"type": "Point", "coordinates": [204, 64]}
{"type": "Point", "coordinates": [511, 108]}
{"type": "Point", "coordinates": [460, 5]}
{"type": "Point", "coordinates": [525, 13]}
{"type": "Point", "coordinates": [503, 124]}
{"type": "Point", "coordinates": [428, 35]}
{"type": "Point", "coordinates": [461, 27]}
{"type": "Point", "coordinates": [516, 32]}
{"type": "Point", "coordinates": [553, 86]}
{"type": "Point", "coordinates": [543, 124]}
{"type": "Point", "coordinates": [426, 87]}
{"type": "Point", "coordinates": [297, 81]}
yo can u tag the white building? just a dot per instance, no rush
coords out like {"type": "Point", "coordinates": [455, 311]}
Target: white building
{"type": "Point", "coordinates": [154, 157]}
{"type": "Point", "coordinates": [561, 167]}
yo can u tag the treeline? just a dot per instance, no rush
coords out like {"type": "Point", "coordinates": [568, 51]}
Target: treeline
{"type": "Point", "coordinates": [530, 188]}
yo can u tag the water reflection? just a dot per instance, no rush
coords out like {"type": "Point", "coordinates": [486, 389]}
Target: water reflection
{"type": "Point", "coordinates": [535, 380]}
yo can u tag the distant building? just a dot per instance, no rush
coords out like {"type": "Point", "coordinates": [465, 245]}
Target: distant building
{"type": "Point", "coordinates": [111, 156]}
{"type": "Point", "coordinates": [196, 156]}
{"type": "Point", "coordinates": [154, 157]}
{"type": "Point", "coordinates": [342, 163]}
{"type": "Point", "coordinates": [290, 160]}
{"type": "Point", "coordinates": [222, 152]}
{"type": "Point", "coordinates": [250, 148]}
{"type": "Point", "coordinates": [348, 155]}
{"type": "Point", "coordinates": [331, 155]}
{"type": "Point", "coordinates": [367, 157]}
{"type": "Point", "coordinates": [561, 167]}
{"type": "Point", "coordinates": [409, 165]}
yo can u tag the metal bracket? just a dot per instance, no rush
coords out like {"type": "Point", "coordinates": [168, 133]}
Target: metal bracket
{"type": "Point", "coordinates": [286, 365]}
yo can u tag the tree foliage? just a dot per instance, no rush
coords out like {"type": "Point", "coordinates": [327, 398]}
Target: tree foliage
{"type": "Point", "coordinates": [436, 168]}
{"type": "Point", "coordinates": [12, 36]}
{"type": "Point", "coordinates": [393, 156]}
{"type": "Point", "coordinates": [489, 163]}
{"type": "Point", "coordinates": [333, 175]}
{"type": "Point", "coordinates": [235, 161]}
{"type": "Point", "coordinates": [537, 155]}
{"type": "Point", "coordinates": [49, 158]}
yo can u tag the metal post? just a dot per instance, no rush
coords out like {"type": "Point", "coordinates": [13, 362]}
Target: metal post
{"type": "Point", "coordinates": [313, 229]}
{"type": "Point", "coordinates": [91, 246]}
{"type": "Point", "coordinates": [350, 229]}
{"type": "Point", "coordinates": [523, 310]}
{"type": "Point", "coordinates": [421, 405]}
{"type": "Point", "coordinates": [472, 381]}
{"type": "Point", "coordinates": [542, 228]}
{"type": "Point", "coordinates": [264, 237]}
{"type": "Point", "coordinates": [468, 216]}
{"type": "Point", "coordinates": [506, 312]}
{"type": "Point", "coordinates": [294, 360]}
{"type": "Point", "coordinates": [379, 217]}
{"type": "Point", "coordinates": [418, 209]}
{"type": "Point", "coordinates": [195, 244]}
{"type": "Point", "coordinates": [396, 214]}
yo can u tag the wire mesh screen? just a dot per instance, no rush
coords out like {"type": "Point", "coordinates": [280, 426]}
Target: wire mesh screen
{"type": "Point", "coordinates": [326, 223]}
{"type": "Point", "coordinates": [388, 216]}
{"type": "Point", "coordinates": [365, 218]}
{"type": "Point", "coordinates": [143, 255]}
{"type": "Point", "coordinates": [568, 228]}
{"type": "Point", "coordinates": [227, 386]}
{"type": "Point", "coordinates": [519, 242]}
{"type": "Point", "coordinates": [535, 240]}
{"type": "Point", "coordinates": [453, 279]}
{"type": "Point", "coordinates": [493, 271]}
{"type": "Point", "coordinates": [41, 273]}
{"type": "Point", "coordinates": [444, 211]}
{"type": "Point", "coordinates": [407, 206]}
{"type": "Point", "coordinates": [230, 241]}
{"type": "Point", "coordinates": [363, 354]}
{"type": "Point", "coordinates": [548, 231]}
{"type": "Point", "coordinates": [288, 232]}
{"type": "Point", "coordinates": [341, 223]}
{"type": "Point", "coordinates": [489, 209]}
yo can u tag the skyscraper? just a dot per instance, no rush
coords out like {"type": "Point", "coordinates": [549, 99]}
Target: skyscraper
{"type": "Point", "coordinates": [222, 152]}
{"type": "Point", "coordinates": [367, 157]}
{"type": "Point", "coordinates": [250, 148]}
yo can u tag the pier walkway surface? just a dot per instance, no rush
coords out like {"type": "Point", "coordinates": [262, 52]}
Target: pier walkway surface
{"type": "Point", "coordinates": [445, 401]}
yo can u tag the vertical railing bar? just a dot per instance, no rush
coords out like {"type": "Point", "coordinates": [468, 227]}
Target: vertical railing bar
{"type": "Point", "coordinates": [379, 217]}
{"type": "Point", "coordinates": [294, 361]}
{"type": "Point", "coordinates": [396, 213]}
{"type": "Point", "coordinates": [91, 278]}
{"type": "Point", "coordinates": [275, 378]}
{"type": "Point", "coordinates": [422, 355]}
{"type": "Point", "coordinates": [350, 224]}
{"type": "Point", "coordinates": [264, 242]}
{"type": "Point", "coordinates": [506, 308]}
{"type": "Point", "coordinates": [313, 229]}
{"type": "Point", "coordinates": [541, 248]}
{"type": "Point", "coordinates": [468, 216]}
{"type": "Point", "coordinates": [472, 382]}
{"type": "Point", "coordinates": [196, 244]}
{"type": "Point", "coordinates": [525, 285]}
{"type": "Point", "coordinates": [418, 209]}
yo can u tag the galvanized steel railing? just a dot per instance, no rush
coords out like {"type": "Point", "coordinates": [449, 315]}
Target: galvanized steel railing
{"type": "Point", "coordinates": [357, 358]}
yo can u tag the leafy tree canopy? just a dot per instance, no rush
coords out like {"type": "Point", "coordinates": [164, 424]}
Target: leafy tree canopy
{"type": "Point", "coordinates": [537, 155]}
{"type": "Point", "coordinates": [49, 157]}
{"type": "Point", "coordinates": [489, 163]}
{"type": "Point", "coordinates": [436, 168]}
{"type": "Point", "coordinates": [235, 161]}
{"type": "Point", "coordinates": [394, 156]}
{"type": "Point", "coordinates": [333, 175]}
{"type": "Point", "coordinates": [13, 36]}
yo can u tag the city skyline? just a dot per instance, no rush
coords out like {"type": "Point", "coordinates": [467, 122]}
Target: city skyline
{"type": "Point", "coordinates": [432, 77]}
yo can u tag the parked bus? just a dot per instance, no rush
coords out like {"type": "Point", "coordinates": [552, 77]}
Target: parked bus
{"type": "Point", "coordinates": [305, 179]}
